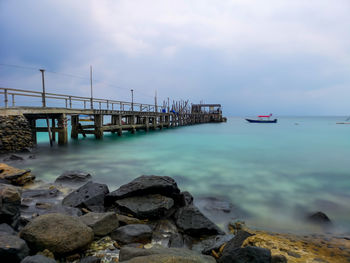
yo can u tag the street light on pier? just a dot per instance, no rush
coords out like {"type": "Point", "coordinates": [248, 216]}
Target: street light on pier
{"type": "Point", "coordinates": [132, 100]}
{"type": "Point", "coordinates": [43, 82]}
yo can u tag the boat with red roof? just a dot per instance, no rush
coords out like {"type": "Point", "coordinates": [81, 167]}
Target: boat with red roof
{"type": "Point", "coordinates": [263, 119]}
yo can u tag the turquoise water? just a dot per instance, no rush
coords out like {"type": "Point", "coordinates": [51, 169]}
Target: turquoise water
{"type": "Point", "coordinates": [275, 172]}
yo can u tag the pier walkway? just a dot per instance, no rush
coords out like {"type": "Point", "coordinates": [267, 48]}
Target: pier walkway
{"type": "Point", "coordinates": [89, 115]}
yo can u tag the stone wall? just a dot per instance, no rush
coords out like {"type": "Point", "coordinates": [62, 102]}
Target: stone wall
{"type": "Point", "coordinates": [15, 134]}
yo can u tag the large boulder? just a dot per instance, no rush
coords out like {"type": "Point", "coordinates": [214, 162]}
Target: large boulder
{"type": "Point", "coordinates": [61, 234]}
{"type": "Point", "coordinates": [12, 248]}
{"type": "Point", "coordinates": [148, 206]}
{"type": "Point", "coordinates": [15, 176]}
{"type": "Point", "coordinates": [10, 202]}
{"type": "Point", "coordinates": [73, 178]}
{"type": "Point", "coordinates": [135, 233]}
{"type": "Point", "coordinates": [245, 255]}
{"type": "Point", "coordinates": [38, 259]}
{"type": "Point", "coordinates": [101, 223]}
{"type": "Point", "coordinates": [90, 196]}
{"type": "Point", "coordinates": [145, 185]}
{"type": "Point", "coordinates": [194, 223]}
{"type": "Point", "coordinates": [160, 255]}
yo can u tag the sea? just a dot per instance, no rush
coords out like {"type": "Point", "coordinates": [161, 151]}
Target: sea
{"type": "Point", "coordinates": [274, 175]}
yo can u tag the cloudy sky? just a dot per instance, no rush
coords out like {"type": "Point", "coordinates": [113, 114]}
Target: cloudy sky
{"type": "Point", "coordinates": [289, 57]}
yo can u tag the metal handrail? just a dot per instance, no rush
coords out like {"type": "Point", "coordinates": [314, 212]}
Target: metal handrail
{"type": "Point", "coordinates": [70, 98]}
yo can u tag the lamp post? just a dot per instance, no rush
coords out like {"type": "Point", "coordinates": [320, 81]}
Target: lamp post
{"type": "Point", "coordinates": [132, 100]}
{"type": "Point", "coordinates": [91, 98]}
{"type": "Point", "coordinates": [43, 82]}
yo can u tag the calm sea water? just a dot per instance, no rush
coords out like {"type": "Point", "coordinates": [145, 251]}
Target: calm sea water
{"type": "Point", "coordinates": [274, 172]}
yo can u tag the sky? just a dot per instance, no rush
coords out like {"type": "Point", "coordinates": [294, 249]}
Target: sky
{"type": "Point", "coordinates": [288, 57]}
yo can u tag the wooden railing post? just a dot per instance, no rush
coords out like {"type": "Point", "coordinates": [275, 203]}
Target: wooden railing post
{"type": "Point", "coordinates": [66, 103]}
{"type": "Point", "coordinates": [99, 104]}
{"type": "Point", "coordinates": [70, 101]}
{"type": "Point", "coordinates": [84, 104]}
{"type": "Point", "coordinates": [107, 105]}
{"type": "Point", "coordinates": [13, 100]}
{"type": "Point", "coordinates": [6, 98]}
{"type": "Point", "coordinates": [112, 106]}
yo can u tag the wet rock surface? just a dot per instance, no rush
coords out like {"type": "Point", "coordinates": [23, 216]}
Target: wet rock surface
{"type": "Point", "coordinates": [38, 259]}
{"type": "Point", "coordinates": [59, 233]}
{"type": "Point", "coordinates": [101, 223]}
{"type": "Point", "coordinates": [245, 255]}
{"type": "Point", "coordinates": [90, 196]}
{"type": "Point", "coordinates": [15, 176]}
{"type": "Point", "coordinates": [12, 248]}
{"type": "Point", "coordinates": [158, 254]}
{"type": "Point", "coordinates": [10, 202]}
{"type": "Point", "coordinates": [193, 222]}
{"type": "Point", "coordinates": [145, 185]}
{"type": "Point", "coordinates": [73, 178]}
{"type": "Point", "coordinates": [148, 206]}
{"type": "Point", "coordinates": [137, 233]}
{"type": "Point", "coordinates": [6, 229]}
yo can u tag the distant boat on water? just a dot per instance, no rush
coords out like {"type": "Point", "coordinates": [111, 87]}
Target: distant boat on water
{"type": "Point", "coordinates": [348, 119]}
{"type": "Point", "coordinates": [263, 119]}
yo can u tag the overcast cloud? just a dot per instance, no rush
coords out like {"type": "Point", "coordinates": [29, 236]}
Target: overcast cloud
{"type": "Point", "coordinates": [286, 57]}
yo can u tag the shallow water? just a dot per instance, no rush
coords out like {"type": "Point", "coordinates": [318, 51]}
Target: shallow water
{"type": "Point", "coordinates": [274, 172]}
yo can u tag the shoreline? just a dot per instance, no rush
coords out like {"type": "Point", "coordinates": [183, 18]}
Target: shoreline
{"type": "Point", "coordinates": [169, 214]}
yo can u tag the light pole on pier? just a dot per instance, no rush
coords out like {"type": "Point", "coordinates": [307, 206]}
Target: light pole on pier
{"type": "Point", "coordinates": [43, 82]}
{"type": "Point", "coordinates": [91, 99]}
{"type": "Point", "coordinates": [132, 100]}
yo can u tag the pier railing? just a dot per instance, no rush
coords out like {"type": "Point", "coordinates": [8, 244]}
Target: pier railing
{"type": "Point", "coordinates": [69, 101]}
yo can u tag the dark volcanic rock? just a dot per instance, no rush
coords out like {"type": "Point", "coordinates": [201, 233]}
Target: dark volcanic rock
{"type": "Point", "coordinates": [245, 255]}
{"type": "Point", "coordinates": [278, 259]}
{"type": "Point", "coordinates": [159, 255]}
{"type": "Point", "coordinates": [6, 229]}
{"type": "Point", "coordinates": [87, 196]}
{"type": "Point", "coordinates": [187, 198]}
{"type": "Point", "coordinates": [73, 178]}
{"type": "Point", "coordinates": [145, 185]}
{"type": "Point", "coordinates": [90, 259]}
{"type": "Point", "coordinates": [166, 234]}
{"type": "Point", "coordinates": [12, 248]}
{"type": "Point", "coordinates": [137, 233]}
{"type": "Point", "coordinates": [148, 206]}
{"type": "Point", "coordinates": [101, 223]}
{"type": "Point", "coordinates": [41, 193]}
{"type": "Point", "coordinates": [238, 240]}
{"type": "Point", "coordinates": [319, 218]}
{"type": "Point", "coordinates": [194, 223]}
{"type": "Point", "coordinates": [212, 243]}
{"type": "Point", "coordinates": [61, 234]}
{"type": "Point", "coordinates": [10, 202]}
{"type": "Point", "coordinates": [38, 259]}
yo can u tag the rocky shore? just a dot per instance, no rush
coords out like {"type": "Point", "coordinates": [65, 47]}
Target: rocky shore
{"type": "Point", "coordinates": [149, 219]}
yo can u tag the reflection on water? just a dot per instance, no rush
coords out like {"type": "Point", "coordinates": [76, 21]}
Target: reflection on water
{"type": "Point", "coordinates": [275, 172]}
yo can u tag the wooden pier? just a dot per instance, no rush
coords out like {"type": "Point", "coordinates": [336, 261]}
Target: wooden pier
{"type": "Point", "coordinates": [89, 115]}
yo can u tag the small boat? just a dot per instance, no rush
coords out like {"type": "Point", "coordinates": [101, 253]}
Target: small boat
{"type": "Point", "coordinates": [263, 119]}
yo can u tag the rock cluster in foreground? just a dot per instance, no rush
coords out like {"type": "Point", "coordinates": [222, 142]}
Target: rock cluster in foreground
{"type": "Point", "coordinates": [146, 220]}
